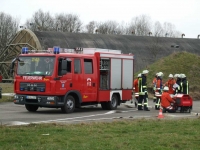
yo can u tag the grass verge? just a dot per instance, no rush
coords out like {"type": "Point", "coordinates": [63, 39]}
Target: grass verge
{"type": "Point", "coordinates": [124, 135]}
{"type": "Point", "coordinates": [7, 88]}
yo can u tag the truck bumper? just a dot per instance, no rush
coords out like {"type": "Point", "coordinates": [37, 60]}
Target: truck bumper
{"type": "Point", "coordinates": [42, 101]}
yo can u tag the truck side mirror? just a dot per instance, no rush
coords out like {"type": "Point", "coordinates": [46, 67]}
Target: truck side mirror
{"type": "Point", "coordinates": [12, 67]}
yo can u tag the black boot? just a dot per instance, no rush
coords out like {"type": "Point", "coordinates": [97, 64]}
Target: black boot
{"type": "Point", "coordinates": [140, 108]}
{"type": "Point", "coordinates": [146, 108]}
{"type": "Point", "coordinates": [135, 104]}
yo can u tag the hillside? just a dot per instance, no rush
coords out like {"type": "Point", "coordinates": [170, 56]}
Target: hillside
{"type": "Point", "coordinates": [176, 63]}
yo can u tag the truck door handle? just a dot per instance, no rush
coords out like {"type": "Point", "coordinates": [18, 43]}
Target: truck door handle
{"type": "Point", "coordinates": [93, 84]}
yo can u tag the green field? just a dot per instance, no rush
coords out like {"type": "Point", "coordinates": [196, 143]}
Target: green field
{"type": "Point", "coordinates": [140, 134]}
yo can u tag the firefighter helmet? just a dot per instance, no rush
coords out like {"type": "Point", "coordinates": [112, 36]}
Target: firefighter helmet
{"type": "Point", "coordinates": [170, 76]}
{"type": "Point", "coordinates": [176, 75]}
{"type": "Point", "coordinates": [161, 73]}
{"type": "Point", "coordinates": [165, 88]}
{"type": "Point", "coordinates": [145, 71]}
{"type": "Point", "coordinates": [179, 75]}
{"type": "Point", "coordinates": [139, 75]}
{"type": "Point", "coordinates": [183, 76]}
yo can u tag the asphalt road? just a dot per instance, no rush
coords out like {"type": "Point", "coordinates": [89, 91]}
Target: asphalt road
{"type": "Point", "coordinates": [12, 114]}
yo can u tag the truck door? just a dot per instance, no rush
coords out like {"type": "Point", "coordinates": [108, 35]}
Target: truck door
{"type": "Point", "coordinates": [89, 81]}
{"type": "Point", "coordinates": [64, 83]}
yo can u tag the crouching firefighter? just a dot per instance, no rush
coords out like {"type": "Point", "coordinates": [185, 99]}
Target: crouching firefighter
{"type": "Point", "coordinates": [143, 95]}
{"type": "Point", "coordinates": [166, 101]}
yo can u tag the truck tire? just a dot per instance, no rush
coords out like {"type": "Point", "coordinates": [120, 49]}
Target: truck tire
{"type": "Point", "coordinates": [69, 105]}
{"type": "Point", "coordinates": [31, 108]}
{"type": "Point", "coordinates": [112, 105]}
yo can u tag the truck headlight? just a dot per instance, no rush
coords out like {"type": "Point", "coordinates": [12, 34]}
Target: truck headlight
{"type": "Point", "coordinates": [16, 97]}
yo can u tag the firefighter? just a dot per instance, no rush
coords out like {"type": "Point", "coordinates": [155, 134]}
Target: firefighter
{"type": "Point", "coordinates": [170, 84]}
{"type": "Point", "coordinates": [143, 94]}
{"type": "Point", "coordinates": [184, 85]}
{"type": "Point", "coordinates": [135, 87]}
{"type": "Point", "coordinates": [158, 89]}
{"type": "Point", "coordinates": [178, 82]}
{"type": "Point", "coordinates": [175, 77]}
{"type": "Point", "coordinates": [154, 86]}
{"type": "Point", "coordinates": [166, 101]}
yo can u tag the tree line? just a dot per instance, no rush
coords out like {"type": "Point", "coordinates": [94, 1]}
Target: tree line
{"type": "Point", "coordinates": [66, 22]}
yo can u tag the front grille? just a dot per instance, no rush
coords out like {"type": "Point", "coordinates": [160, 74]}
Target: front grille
{"type": "Point", "coordinates": [37, 87]}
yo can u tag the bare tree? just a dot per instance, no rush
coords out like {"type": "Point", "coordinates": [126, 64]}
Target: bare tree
{"type": "Point", "coordinates": [67, 23]}
{"type": "Point", "coordinates": [8, 28]}
{"type": "Point", "coordinates": [169, 29]}
{"type": "Point", "coordinates": [90, 27]}
{"type": "Point", "coordinates": [157, 29]}
{"type": "Point", "coordinates": [108, 27]}
{"type": "Point", "coordinates": [141, 25]}
{"type": "Point", "coordinates": [42, 21]}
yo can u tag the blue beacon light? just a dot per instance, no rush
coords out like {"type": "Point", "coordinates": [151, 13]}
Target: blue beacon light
{"type": "Point", "coordinates": [24, 50]}
{"type": "Point", "coordinates": [56, 50]}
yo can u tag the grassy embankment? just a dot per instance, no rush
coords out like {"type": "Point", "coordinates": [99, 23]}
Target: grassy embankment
{"type": "Point", "coordinates": [122, 135]}
{"type": "Point", "coordinates": [176, 63]}
{"type": "Point", "coordinates": [182, 62]}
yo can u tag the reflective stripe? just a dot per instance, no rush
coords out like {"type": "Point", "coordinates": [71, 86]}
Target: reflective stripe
{"type": "Point", "coordinates": [144, 86]}
{"type": "Point", "coordinates": [169, 107]}
{"type": "Point", "coordinates": [181, 87]}
{"type": "Point", "coordinates": [141, 93]}
{"type": "Point", "coordinates": [139, 104]}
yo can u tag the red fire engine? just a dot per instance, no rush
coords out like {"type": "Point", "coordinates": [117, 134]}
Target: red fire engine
{"type": "Point", "coordinates": [71, 78]}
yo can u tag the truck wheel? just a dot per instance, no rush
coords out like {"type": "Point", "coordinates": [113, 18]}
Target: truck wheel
{"type": "Point", "coordinates": [31, 108]}
{"type": "Point", "coordinates": [112, 105]}
{"type": "Point", "coordinates": [103, 105]}
{"type": "Point", "coordinates": [69, 105]}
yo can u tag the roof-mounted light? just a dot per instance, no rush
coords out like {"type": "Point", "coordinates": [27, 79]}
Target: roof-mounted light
{"type": "Point", "coordinates": [56, 50]}
{"type": "Point", "coordinates": [24, 50]}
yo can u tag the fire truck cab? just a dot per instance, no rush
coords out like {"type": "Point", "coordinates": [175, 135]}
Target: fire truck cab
{"type": "Point", "coordinates": [71, 78]}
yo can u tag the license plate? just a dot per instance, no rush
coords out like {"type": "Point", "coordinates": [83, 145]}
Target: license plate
{"type": "Point", "coordinates": [30, 97]}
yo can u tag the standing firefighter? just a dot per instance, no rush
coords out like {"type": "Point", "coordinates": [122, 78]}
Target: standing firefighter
{"type": "Point", "coordinates": [170, 84]}
{"type": "Point", "coordinates": [136, 90]}
{"type": "Point", "coordinates": [184, 85]}
{"type": "Point", "coordinates": [178, 81]}
{"type": "Point", "coordinates": [154, 86]}
{"type": "Point", "coordinates": [143, 95]}
{"type": "Point", "coordinates": [158, 89]}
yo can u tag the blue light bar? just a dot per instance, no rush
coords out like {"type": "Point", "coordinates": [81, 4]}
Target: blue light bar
{"type": "Point", "coordinates": [56, 50]}
{"type": "Point", "coordinates": [24, 50]}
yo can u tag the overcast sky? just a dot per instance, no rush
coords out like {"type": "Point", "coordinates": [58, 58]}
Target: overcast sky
{"type": "Point", "coordinates": [184, 14]}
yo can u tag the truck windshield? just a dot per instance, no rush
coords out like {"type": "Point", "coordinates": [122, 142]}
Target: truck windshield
{"type": "Point", "coordinates": [33, 65]}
